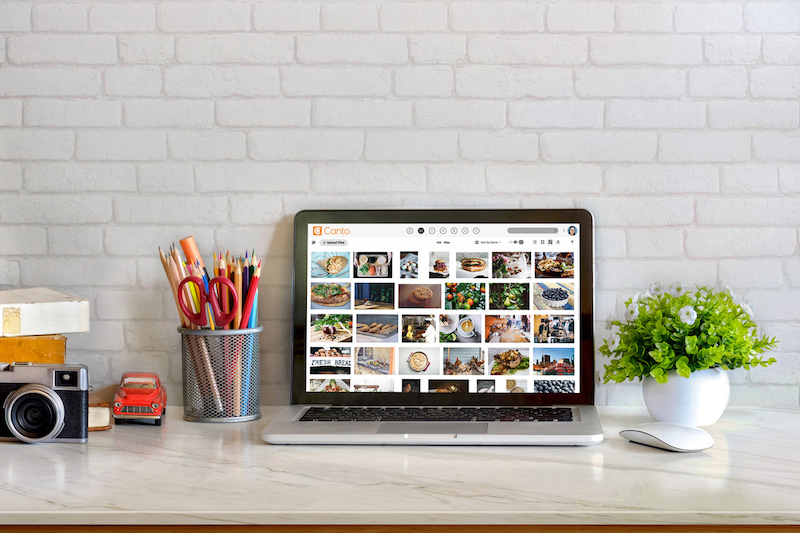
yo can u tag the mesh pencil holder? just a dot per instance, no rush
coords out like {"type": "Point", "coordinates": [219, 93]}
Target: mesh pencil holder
{"type": "Point", "coordinates": [220, 374]}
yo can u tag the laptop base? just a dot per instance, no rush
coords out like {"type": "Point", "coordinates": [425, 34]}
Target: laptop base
{"type": "Point", "coordinates": [287, 428]}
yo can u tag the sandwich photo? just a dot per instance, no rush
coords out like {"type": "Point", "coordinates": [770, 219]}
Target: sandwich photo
{"type": "Point", "coordinates": [472, 265]}
{"type": "Point", "coordinates": [438, 262]}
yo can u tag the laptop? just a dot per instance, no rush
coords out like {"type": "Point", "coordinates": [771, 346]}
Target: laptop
{"type": "Point", "coordinates": [447, 327]}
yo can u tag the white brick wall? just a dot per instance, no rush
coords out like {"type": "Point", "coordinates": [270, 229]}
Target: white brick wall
{"type": "Point", "coordinates": [132, 123]}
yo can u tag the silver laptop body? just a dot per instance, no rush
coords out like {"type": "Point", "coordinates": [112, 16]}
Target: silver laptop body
{"type": "Point", "coordinates": [375, 289]}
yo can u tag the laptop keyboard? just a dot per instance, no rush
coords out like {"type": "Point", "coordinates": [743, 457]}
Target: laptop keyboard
{"type": "Point", "coordinates": [437, 414]}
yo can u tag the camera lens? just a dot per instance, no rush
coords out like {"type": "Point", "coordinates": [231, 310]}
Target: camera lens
{"type": "Point", "coordinates": [34, 417]}
{"type": "Point", "coordinates": [34, 413]}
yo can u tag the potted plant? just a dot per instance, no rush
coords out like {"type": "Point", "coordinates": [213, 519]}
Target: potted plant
{"type": "Point", "coordinates": [681, 342]}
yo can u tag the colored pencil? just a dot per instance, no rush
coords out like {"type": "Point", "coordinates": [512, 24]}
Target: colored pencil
{"type": "Point", "coordinates": [223, 293]}
{"type": "Point", "coordinates": [251, 294]}
{"type": "Point", "coordinates": [237, 282]}
{"type": "Point", "coordinates": [172, 285]}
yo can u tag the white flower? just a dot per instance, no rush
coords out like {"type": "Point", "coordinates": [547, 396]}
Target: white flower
{"type": "Point", "coordinates": [747, 308]}
{"type": "Point", "coordinates": [677, 289]}
{"type": "Point", "coordinates": [730, 291]}
{"type": "Point", "coordinates": [688, 315]}
{"type": "Point", "coordinates": [656, 289]}
{"type": "Point", "coordinates": [609, 322]}
{"type": "Point", "coordinates": [631, 312]}
{"type": "Point", "coordinates": [645, 296]}
{"type": "Point", "coordinates": [613, 342]}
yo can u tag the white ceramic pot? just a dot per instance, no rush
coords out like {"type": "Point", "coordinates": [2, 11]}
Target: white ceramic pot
{"type": "Point", "coordinates": [698, 400]}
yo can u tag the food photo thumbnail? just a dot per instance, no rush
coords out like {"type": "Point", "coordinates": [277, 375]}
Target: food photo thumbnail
{"type": "Point", "coordinates": [554, 386]}
{"type": "Point", "coordinates": [419, 361]}
{"type": "Point", "coordinates": [439, 265]}
{"type": "Point", "coordinates": [507, 328]}
{"type": "Point", "coordinates": [507, 361]}
{"type": "Point", "coordinates": [553, 329]}
{"type": "Point", "coordinates": [330, 264]}
{"type": "Point", "coordinates": [324, 295]}
{"type": "Point", "coordinates": [465, 296]}
{"type": "Point", "coordinates": [411, 385]}
{"type": "Point", "coordinates": [372, 265]}
{"type": "Point", "coordinates": [373, 385]}
{"type": "Point", "coordinates": [472, 265]}
{"type": "Point", "coordinates": [448, 385]}
{"type": "Point", "coordinates": [332, 329]}
{"type": "Point", "coordinates": [419, 295]}
{"type": "Point", "coordinates": [331, 360]}
{"type": "Point", "coordinates": [419, 328]}
{"type": "Point", "coordinates": [463, 361]}
{"type": "Point", "coordinates": [409, 264]}
{"type": "Point", "coordinates": [511, 265]}
{"type": "Point", "coordinates": [460, 328]}
{"type": "Point", "coordinates": [485, 386]}
{"type": "Point", "coordinates": [516, 385]}
{"type": "Point", "coordinates": [554, 265]}
{"type": "Point", "coordinates": [553, 296]}
{"type": "Point", "coordinates": [374, 361]}
{"type": "Point", "coordinates": [377, 328]}
{"type": "Point", "coordinates": [509, 296]}
{"type": "Point", "coordinates": [329, 385]}
{"type": "Point", "coordinates": [376, 296]}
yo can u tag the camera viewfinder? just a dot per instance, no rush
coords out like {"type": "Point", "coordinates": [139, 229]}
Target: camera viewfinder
{"type": "Point", "coordinates": [66, 378]}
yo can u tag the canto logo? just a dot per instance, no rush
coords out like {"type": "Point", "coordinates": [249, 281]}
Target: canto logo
{"type": "Point", "coordinates": [320, 230]}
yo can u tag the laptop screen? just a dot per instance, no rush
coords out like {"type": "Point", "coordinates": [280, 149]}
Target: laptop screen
{"type": "Point", "coordinates": [446, 303]}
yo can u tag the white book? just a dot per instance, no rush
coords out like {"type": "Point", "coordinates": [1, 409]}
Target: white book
{"type": "Point", "coordinates": [42, 311]}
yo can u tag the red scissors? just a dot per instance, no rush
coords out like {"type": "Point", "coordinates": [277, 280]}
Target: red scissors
{"type": "Point", "coordinates": [211, 297]}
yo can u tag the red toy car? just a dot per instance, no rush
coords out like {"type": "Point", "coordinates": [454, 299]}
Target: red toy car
{"type": "Point", "coordinates": [140, 396]}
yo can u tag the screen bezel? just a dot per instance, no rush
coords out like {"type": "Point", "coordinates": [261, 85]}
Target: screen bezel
{"type": "Point", "coordinates": [300, 280]}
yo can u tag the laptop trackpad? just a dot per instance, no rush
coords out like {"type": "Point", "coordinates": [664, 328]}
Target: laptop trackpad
{"type": "Point", "coordinates": [449, 428]}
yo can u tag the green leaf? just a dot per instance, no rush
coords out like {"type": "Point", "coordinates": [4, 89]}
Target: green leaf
{"type": "Point", "coordinates": [682, 367]}
{"type": "Point", "coordinates": [659, 374]}
{"type": "Point", "coordinates": [691, 344]}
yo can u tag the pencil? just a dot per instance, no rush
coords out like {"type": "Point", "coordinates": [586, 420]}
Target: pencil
{"type": "Point", "coordinates": [245, 281]}
{"type": "Point", "coordinates": [209, 312]}
{"type": "Point", "coordinates": [237, 282]}
{"type": "Point", "coordinates": [172, 285]}
{"type": "Point", "coordinates": [187, 288]}
{"type": "Point", "coordinates": [248, 306]}
{"type": "Point", "coordinates": [254, 314]}
{"type": "Point", "coordinates": [223, 294]}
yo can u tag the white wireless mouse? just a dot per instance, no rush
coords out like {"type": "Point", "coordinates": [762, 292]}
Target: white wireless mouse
{"type": "Point", "coordinates": [670, 437]}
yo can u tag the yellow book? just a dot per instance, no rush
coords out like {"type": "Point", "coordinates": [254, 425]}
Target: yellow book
{"type": "Point", "coordinates": [33, 349]}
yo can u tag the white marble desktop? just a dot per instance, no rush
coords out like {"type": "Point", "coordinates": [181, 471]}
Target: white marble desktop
{"type": "Point", "coordinates": [199, 473]}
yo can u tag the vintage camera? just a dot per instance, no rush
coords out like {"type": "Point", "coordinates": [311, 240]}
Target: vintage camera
{"type": "Point", "coordinates": [44, 403]}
